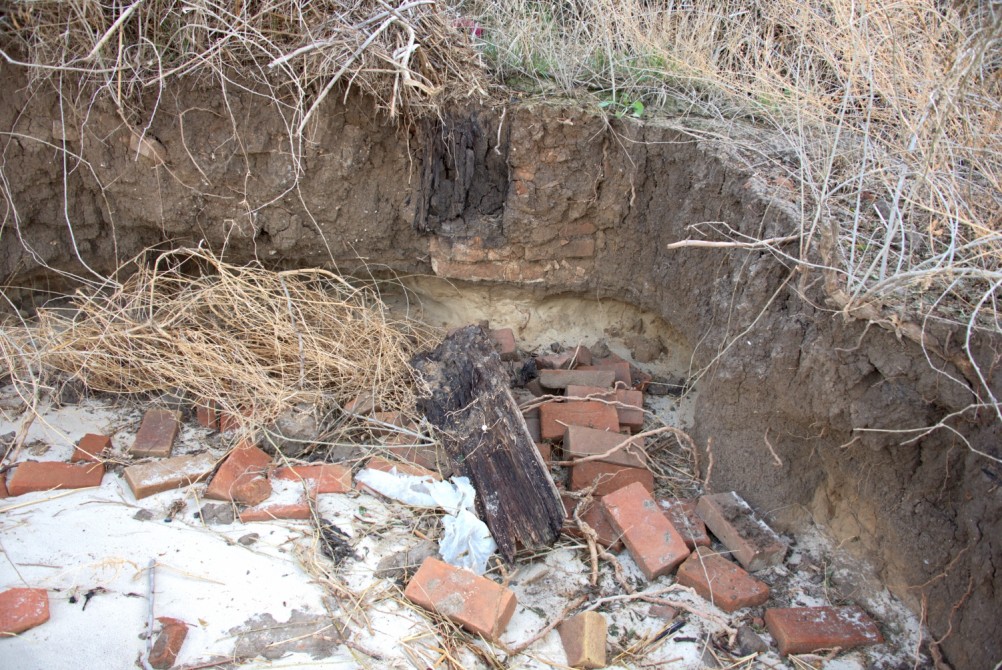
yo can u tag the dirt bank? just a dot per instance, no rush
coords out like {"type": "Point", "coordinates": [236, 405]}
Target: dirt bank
{"type": "Point", "coordinates": [557, 200]}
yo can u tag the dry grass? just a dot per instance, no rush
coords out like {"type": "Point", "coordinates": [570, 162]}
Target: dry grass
{"type": "Point", "coordinates": [256, 342]}
{"type": "Point", "coordinates": [891, 113]}
{"type": "Point", "coordinates": [410, 56]}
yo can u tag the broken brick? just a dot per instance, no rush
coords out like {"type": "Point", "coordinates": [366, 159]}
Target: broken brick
{"type": "Point", "coordinates": [545, 451]}
{"type": "Point", "coordinates": [750, 540]}
{"type": "Point", "coordinates": [251, 491]}
{"type": "Point", "coordinates": [655, 545]}
{"type": "Point", "coordinates": [504, 343]}
{"type": "Point", "coordinates": [682, 514]}
{"type": "Point", "coordinates": [561, 379]}
{"type": "Point", "coordinates": [384, 465]}
{"type": "Point", "coordinates": [608, 477]}
{"type": "Point", "coordinates": [595, 518]}
{"type": "Point", "coordinates": [245, 462]}
{"type": "Point", "coordinates": [322, 478]}
{"type": "Point", "coordinates": [146, 479]}
{"type": "Point", "coordinates": [801, 630]}
{"type": "Point", "coordinates": [168, 644]}
{"type": "Point", "coordinates": [584, 637]}
{"type": "Point", "coordinates": [90, 448]}
{"type": "Point", "coordinates": [208, 415]}
{"type": "Point", "coordinates": [582, 442]}
{"type": "Point", "coordinates": [722, 582]}
{"type": "Point", "coordinates": [554, 417]}
{"type": "Point", "coordinates": [275, 511]}
{"type": "Point", "coordinates": [3, 485]}
{"type": "Point", "coordinates": [156, 434]}
{"type": "Point", "coordinates": [52, 475]}
{"type": "Point", "coordinates": [21, 609]}
{"type": "Point", "coordinates": [475, 603]}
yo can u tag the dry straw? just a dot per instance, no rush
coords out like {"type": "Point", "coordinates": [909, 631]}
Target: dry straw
{"type": "Point", "coordinates": [411, 56]}
{"type": "Point", "coordinates": [255, 341]}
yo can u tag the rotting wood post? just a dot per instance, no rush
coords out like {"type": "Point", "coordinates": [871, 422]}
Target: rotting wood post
{"type": "Point", "coordinates": [487, 440]}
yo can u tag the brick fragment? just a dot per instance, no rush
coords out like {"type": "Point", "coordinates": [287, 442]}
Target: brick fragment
{"type": "Point", "coordinates": [384, 465]}
{"type": "Point", "coordinates": [545, 451]}
{"type": "Point", "coordinates": [91, 448]}
{"type": "Point", "coordinates": [251, 490]}
{"type": "Point", "coordinates": [655, 545]}
{"type": "Point", "coordinates": [682, 514]}
{"type": "Point", "coordinates": [629, 407]}
{"type": "Point", "coordinates": [208, 415]}
{"type": "Point", "coordinates": [801, 630]}
{"type": "Point", "coordinates": [146, 479]}
{"type": "Point", "coordinates": [504, 343]}
{"type": "Point", "coordinates": [52, 475]}
{"type": "Point", "coordinates": [584, 637]}
{"type": "Point", "coordinates": [750, 540]}
{"type": "Point", "coordinates": [561, 379]}
{"type": "Point", "coordinates": [321, 478]}
{"type": "Point", "coordinates": [277, 510]}
{"type": "Point", "coordinates": [245, 462]}
{"type": "Point", "coordinates": [168, 644]}
{"type": "Point", "coordinates": [608, 477]}
{"type": "Point", "coordinates": [534, 387]}
{"type": "Point", "coordinates": [3, 485]}
{"type": "Point", "coordinates": [722, 582]}
{"type": "Point", "coordinates": [21, 609]}
{"type": "Point", "coordinates": [475, 603]}
{"type": "Point", "coordinates": [582, 442]}
{"type": "Point", "coordinates": [554, 417]}
{"type": "Point", "coordinates": [156, 434]}
{"type": "Point", "coordinates": [592, 515]}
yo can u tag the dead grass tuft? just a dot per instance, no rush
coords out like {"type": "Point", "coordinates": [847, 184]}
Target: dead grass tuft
{"type": "Point", "coordinates": [256, 342]}
{"type": "Point", "coordinates": [411, 56]}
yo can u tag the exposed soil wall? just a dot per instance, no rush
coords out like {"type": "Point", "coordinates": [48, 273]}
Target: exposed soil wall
{"type": "Point", "coordinates": [557, 200]}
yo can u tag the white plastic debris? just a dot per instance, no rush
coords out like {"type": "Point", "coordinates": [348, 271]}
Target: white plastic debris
{"type": "Point", "coordinates": [466, 540]}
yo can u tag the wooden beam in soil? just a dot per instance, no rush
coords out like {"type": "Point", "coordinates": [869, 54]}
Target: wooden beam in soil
{"type": "Point", "coordinates": [487, 440]}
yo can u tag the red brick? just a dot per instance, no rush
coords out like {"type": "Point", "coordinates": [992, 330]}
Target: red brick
{"type": "Point", "coordinates": [722, 582]}
{"type": "Point", "coordinates": [581, 442]}
{"type": "Point", "coordinates": [655, 545]}
{"type": "Point", "coordinates": [504, 343]}
{"type": "Point", "coordinates": [146, 479]}
{"type": "Point", "coordinates": [682, 514]}
{"type": "Point", "coordinates": [545, 452]}
{"type": "Point", "coordinates": [608, 477]}
{"type": "Point", "coordinates": [251, 491]}
{"type": "Point", "coordinates": [554, 417]}
{"type": "Point", "coordinates": [561, 379]}
{"type": "Point", "coordinates": [630, 409]}
{"type": "Point", "coordinates": [583, 391]}
{"type": "Point", "coordinates": [750, 540]}
{"type": "Point", "coordinates": [51, 475]}
{"type": "Point", "coordinates": [801, 630]}
{"type": "Point", "coordinates": [3, 485]}
{"type": "Point", "coordinates": [584, 637]}
{"type": "Point", "coordinates": [384, 465]}
{"type": "Point", "coordinates": [229, 421]}
{"type": "Point", "coordinates": [322, 478]}
{"type": "Point", "coordinates": [21, 609]}
{"type": "Point", "coordinates": [592, 515]}
{"type": "Point", "coordinates": [244, 463]}
{"type": "Point", "coordinates": [275, 511]}
{"type": "Point", "coordinates": [475, 603]}
{"type": "Point", "coordinates": [168, 644]}
{"type": "Point", "coordinates": [90, 448]}
{"type": "Point", "coordinates": [208, 415]}
{"type": "Point", "coordinates": [616, 364]}
{"type": "Point", "coordinates": [156, 434]}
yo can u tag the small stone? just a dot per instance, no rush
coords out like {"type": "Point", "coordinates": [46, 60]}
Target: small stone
{"type": "Point", "coordinates": [664, 612]}
{"type": "Point", "coordinates": [248, 539]}
{"type": "Point", "coordinates": [294, 430]}
{"type": "Point", "coordinates": [217, 514]}
{"type": "Point", "coordinates": [143, 515]}
{"type": "Point", "coordinates": [748, 642]}
{"type": "Point", "coordinates": [405, 562]}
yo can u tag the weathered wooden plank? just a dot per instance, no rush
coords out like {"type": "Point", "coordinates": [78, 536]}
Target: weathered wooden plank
{"type": "Point", "coordinates": [487, 440]}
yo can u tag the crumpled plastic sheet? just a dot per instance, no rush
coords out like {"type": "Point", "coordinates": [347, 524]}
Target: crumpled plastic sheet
{"type": "Point", "coordinates": [466, 541]}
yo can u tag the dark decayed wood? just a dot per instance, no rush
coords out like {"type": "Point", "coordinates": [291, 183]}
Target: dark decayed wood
{"type": "Point", "coordinates": [483, 432]}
